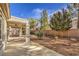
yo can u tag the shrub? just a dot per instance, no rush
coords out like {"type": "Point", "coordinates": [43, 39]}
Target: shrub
{"type": "Point", "coordinates": [39, 34]}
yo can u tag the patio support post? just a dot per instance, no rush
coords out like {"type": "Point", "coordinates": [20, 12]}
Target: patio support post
{"type": "Point", "coordinates": [3, 39]}
{"type": "Point", "coordinates": [27, 33]}
{"type": "Point", "coordinates": [4, 34]}
{"type": "Point", "coordinates": [20, 32]}
{"type": "Point", "coordinates": [9, 32]}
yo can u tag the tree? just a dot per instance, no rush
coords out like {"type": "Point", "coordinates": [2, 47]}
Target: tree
{"type": "Point", "coordinates": [44, 20]}
{"type": "Point", "coordinates": [61, 21]}
{"type": "Point", "coordinates": [32, 22]}
{"type": "Point", "coordinates": [71, 10]}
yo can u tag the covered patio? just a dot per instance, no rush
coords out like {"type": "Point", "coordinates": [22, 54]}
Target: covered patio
{"type": "Point", "coordinates": [17, 29]}
{"type": "Point", "coordinates": [12, 28]}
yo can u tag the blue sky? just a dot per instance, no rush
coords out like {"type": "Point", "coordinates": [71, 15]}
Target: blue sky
{"type": "Point", "coordinates": [27, 10]}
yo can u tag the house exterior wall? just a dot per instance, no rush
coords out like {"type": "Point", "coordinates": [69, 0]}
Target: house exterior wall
{"type": "Point", "coordinates": [74, 23]}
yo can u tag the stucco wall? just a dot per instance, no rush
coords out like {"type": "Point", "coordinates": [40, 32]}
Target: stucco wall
{"type": "Point", "coordinates": [74, 23]}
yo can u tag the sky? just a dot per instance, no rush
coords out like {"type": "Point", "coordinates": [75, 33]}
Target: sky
{"type": "Point", "coordinates": [33, 10]}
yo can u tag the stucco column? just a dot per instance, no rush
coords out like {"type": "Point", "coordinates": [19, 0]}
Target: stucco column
{"type": "Point", "coordinates": [4, 33]}
{"type": "Point", "coordinates": [27, 33]}
{"type": "Point", "coordinates": [20, 34]}
{"type": "Point", "coordinates": [3, 39]}
{"type": "Point", "coordinates": [9, 33]}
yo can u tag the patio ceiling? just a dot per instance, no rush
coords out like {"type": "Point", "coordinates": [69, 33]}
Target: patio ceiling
{"type": "Point", "coordinates": [16, 24]}
{"type": "Point", "coordinates": [6, 9]}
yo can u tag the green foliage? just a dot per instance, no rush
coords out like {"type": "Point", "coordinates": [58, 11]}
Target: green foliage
{"type": "Point", "coordinates": [61, 20]}
{"type": "Point", "coordinates": [71, 10]}
{"type": "Point", "coordinates": [32, 23]}
{"type": "Point", "coordinates": [39, 33]}
{"type": "Point", "coordinates": [44, 20]}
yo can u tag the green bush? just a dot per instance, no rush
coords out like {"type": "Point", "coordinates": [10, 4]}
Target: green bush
{"type": "Point", "coordinates": [39, 34]}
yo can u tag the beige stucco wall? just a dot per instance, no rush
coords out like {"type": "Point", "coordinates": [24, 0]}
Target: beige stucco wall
{"type": "Point", "coordinates": [3, 32]}
{"type": "Point", "coordinates": [74, 23]}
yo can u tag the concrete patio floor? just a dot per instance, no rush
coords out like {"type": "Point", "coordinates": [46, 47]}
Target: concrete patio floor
{"type": "Point", "coordinates": [34, 49]}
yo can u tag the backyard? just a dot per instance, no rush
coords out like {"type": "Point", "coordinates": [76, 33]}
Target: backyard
{"type": "Point", "coordinates": [54, 33]}
{"type": "Point", "coordinates": [60, 33]}
{"type": "Point", "coordinates": [63, 45]}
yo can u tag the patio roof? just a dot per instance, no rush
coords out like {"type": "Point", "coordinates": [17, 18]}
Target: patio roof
{"type": "Point", "coordinates": [17, 19]}
{"type": "Point", "coordinates": [16, 22]}
{"type": "Point", "coordinates": [5, 7]}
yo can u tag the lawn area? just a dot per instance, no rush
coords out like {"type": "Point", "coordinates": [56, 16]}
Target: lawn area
{"type": "Point", "coordinates": [65, 46]}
